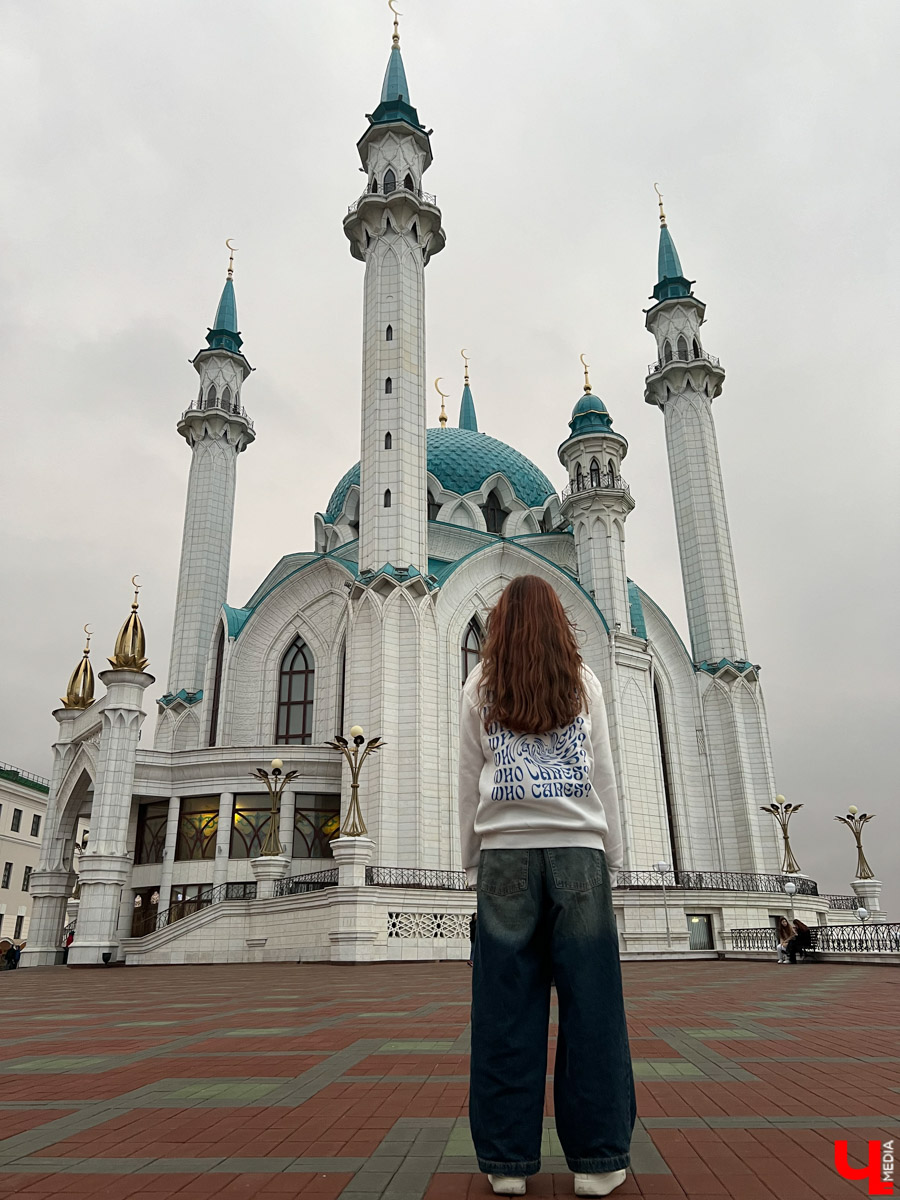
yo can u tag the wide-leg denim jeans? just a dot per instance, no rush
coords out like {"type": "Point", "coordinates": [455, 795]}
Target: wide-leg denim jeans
{"type": "Point", "coordinates": [542, 915]}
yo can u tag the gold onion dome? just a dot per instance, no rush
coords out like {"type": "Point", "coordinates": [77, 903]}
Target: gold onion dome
{"type": "Point", "coordinates": [80, 692]}
{"type": "Point", "coordinates": [131, 643]}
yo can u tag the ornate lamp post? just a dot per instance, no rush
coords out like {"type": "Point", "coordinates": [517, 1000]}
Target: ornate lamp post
{"type": "Point", "coordinates": [855, 823]}
{"type": "Point", "coordinates": [862, 914]}
{"type": "Point", "coordinates": [275, 784]}
{"type": "Point", "coordinates": [782, 811]}
{"type": "Point", "coordinates": [791, 888]}
{"type": "Point", "coordinates": [662, 867]}
{"type": "Point", "coordinates": [354, 825]}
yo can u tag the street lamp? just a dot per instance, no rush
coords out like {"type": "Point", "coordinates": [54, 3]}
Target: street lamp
{"type": "Point", "coordinates": [354, 825]}
{"type": "Point", "coordinates": [862, 914]}
{"type": "Point", "coordinates": [791, 888]}
{"type": "Point", "coordinates": [855, 824]}
{"type": "Point", "coordinates": [663, 867]}
{"type": "Point", "coordinates": [782, 811]}
{"type": "Point", "coordinates": [275, 784]}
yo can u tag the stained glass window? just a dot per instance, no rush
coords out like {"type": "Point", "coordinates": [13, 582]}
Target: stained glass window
{"type": "Point", "coordinates": [295, 695]}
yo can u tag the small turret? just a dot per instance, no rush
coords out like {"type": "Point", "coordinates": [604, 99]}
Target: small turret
{"type": "Point", "coordinates": [80, 692]}
{"type": "Point", "coordinates": [131, 642]}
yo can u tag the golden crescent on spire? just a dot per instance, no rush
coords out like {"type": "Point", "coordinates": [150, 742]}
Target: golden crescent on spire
{"type": "Point", "coordinates": [587, 382]}
{"type": "Point", "coordinates": [466, 358]}
{"type": "Point", "coordinates": [134, 582]}
{"type": "Point", "coordinates": [662, 215]}
{"type": "Point", "coordinates": [443, 395]}
{"type": "Point", "coordinates": [86, 630]}
{"type": "Point", "coordinates": [231, 253]}
{"type": "Point", "coordinates": [396, 37]}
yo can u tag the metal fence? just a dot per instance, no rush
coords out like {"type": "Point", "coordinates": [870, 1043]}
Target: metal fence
{"type": "Point", "coordinates": [207, 896]}
{"type": "Point", "coordinates": [654, 368]}
{"type": "Point", "coordinates": [837, 939]}
{"type": "Point", "coordinates": [425, 197]}
{"type": "Point", "coordinates": [414, 877]}
{"type": "Point", "coordinates": [729, 881]}
{"type": "Point", "coordinates": [848, 903]}
{"type": "Point", "coordinates": [605, 480]}
{"type": "Point", "coordinates": [312, 881]}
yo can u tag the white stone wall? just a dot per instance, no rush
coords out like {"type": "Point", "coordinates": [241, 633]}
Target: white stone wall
{"type": "Point", "coordinates": [19, 849]}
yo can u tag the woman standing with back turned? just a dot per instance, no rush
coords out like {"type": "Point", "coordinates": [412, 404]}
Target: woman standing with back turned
{"type": "Point", "coordinates": [539, 826]}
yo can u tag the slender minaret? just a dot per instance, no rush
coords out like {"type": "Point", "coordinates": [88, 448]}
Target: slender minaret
{"type": "Point", "coordinates": [683, 383]}
{"type": "Point", "coordinates": [597, 502]}
{"type": "Point", "coordinates": [467, 418]}
{"type": "Point", "coordinates": [394, 228]}
{"type": "Point", "coordinates": [217, 429]}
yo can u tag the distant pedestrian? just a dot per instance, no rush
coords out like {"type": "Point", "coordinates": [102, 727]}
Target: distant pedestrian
{"type": "Point", "coordinates": [11, 961]}
{"type": "Point", "coordinates": [783, 933]}
{"type": "Point", "coordinates": [70, 938]}
{"type": "Point", "coordinates": [473, 929]}
{"type": "Point", "coordinates": [540, 833]}
{"type": "Point", "coordinates": [802, 940]}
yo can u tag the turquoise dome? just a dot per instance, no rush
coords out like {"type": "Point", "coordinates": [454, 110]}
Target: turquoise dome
{"type": "Point", "coordinates": [462, 460]}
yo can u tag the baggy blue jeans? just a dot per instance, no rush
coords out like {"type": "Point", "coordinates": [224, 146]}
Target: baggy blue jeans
{"type": "Point", "coordinates": [542, 915]}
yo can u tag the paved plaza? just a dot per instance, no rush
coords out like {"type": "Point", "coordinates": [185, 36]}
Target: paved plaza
{"type": "Point", "coordinates": [285, 1080]}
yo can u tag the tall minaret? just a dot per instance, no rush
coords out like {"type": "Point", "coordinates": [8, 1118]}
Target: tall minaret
{"type": "Point", "coordinates": [684, 382]}
{"type": "Point", "coordinates": [394, 228]}
{"type": "Point", "coordinates": [217, 429]}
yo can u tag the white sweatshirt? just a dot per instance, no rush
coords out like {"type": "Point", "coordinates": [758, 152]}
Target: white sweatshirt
{"type": "Point", "coordinates": [536, 790]}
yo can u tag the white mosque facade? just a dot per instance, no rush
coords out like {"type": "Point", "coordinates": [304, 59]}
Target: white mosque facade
{"type": "Point", "coordinates": [377, 626]}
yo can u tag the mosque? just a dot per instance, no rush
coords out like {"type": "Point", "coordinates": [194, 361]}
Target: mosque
{"type": "Point", "coordinates": [377, 626]}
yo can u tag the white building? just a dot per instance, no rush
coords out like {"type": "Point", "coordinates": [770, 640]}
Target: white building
{"type": "Point", "coordinates": [23, 807]}
{"type": "Point", "coordinates": [378, 624]}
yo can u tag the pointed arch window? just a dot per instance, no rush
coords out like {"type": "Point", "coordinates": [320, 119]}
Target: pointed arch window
{"type": "Point", "coordinates": [217, 689]}
{"type": "Point", "coordinates": [682, 348]}
{"type": "Point", "coordinates": [494, 513]}
{"type": "Point", "coordinates": [373, 187]}
{"type": "Point", "coordinates": [697, 353]}
{"type": "Point", "coordinates": [389, 334]}
{"type": "Point", "coordinates": [211, 397]}
{"type": "Point", "coordinates": [408, 182]}
{"type": "Point", "coordinates": [387, 498]}
{"type": "Point", "coordinates": [388, 386]}
{"type": "Point", "coordinates": [579, 479]}
{"type": "Point", "coordinates": [595, 473]}
{"type": "Point", "coordinates": [387, 441]}
{"type": "Point", "coordinates": [226, 399]}
{"type": "Point", "coordinates": [471, 648]}
{"type": "Point", "coordinates": [342, 685]}
{"type": "Point", "coordinates": [434, 507]}
{"type": "Point", "coordinates": [415, 230]}
{"type": "Point", "coordinates": [667, 351]}
{"type": "Point", "coordinates": [611, 467]}
{"type": "Point", "coordinates": [295, 695]}
{"type": "Point", "coordinates": [390, 181]}
{"type": "Point", "coordinates": [665, 764]}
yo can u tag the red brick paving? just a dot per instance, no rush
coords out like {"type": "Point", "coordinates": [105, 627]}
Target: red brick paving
{"type": "Point", "coordinates": [847, 1013]}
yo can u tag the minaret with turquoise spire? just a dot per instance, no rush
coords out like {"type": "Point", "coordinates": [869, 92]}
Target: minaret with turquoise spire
{"type": "Point", "coordinates": [467, 418]}
{"type": "Point", "coordinates": [217, 429]}
{"type": "Point", "coordinates": [394, 228]}
{"type": "Point", "coordinates": [683, 383]}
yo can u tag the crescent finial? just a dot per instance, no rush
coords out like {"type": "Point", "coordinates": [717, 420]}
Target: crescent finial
{"type": "Point", "coordinates": [466, 358]}
{"type": "Point", "coordinates": [231, 254]}
{"type": "Point", "coordinates": [443, 395]}
{"type": "Point", "coordinates": [662, 214]}
{"type": "Point", "coordinates": [396, 37]}
{"type": "Point", "coordinates": [134, 582]}
{"type": "Point", "coordinates": [86, 630]}
{"type": "Point", "coordinates": [587, 382]}
{"type": "Point", "coordinates": [87, 644]}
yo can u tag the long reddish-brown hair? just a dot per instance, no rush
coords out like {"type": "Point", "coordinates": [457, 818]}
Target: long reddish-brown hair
{"type": "Point", "coordinates": [531, 669]}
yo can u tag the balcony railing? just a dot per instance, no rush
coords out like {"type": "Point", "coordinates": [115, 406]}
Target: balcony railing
{"type": "Point", "coordinates": [415, 877]}
{"type": "Point", "coordinates": [847, 939]}
{"type": "Point", "coordinates": [425, 197]}
{"type": "Point", "coordinates": [590, 483]}
{"type": "Point", "coordinates": [312, 881]}
{"type": "Point", "coordinates": [237, 410]}
{"type": "Point", "coordinates": [204, 898]}
{"type": "Point", "coordinates": [653, 368]}
{"type": "Point", "coordinates": [729, 881]}
{"type": "Point", "coordinates": [848, 903]}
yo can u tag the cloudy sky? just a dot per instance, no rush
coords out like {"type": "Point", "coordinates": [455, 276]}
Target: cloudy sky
{"type": "Point", "coordinates": [137, 137]}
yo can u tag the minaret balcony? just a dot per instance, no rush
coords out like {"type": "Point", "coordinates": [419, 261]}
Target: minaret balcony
{"type": "Point", "coordinates": [655, 368]}
{"type": "Point", "coordinates": [398, 188]}
{"type": "Point", "coordinates": [232, 410]}
{"type": "Point", "coordinates": [602, 482]}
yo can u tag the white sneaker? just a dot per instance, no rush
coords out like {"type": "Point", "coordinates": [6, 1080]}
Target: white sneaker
{"type": "Point", "coordinates": [598, 1185]}
{"type": "Point", "coordinates": [510, 1185]}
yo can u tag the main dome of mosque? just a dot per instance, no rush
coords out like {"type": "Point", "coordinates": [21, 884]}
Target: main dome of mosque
{"type": "Point", "coordinates": [461, 460]}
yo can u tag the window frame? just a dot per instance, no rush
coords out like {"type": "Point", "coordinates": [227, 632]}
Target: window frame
{"type": "Point", "coordinates": [285, 724]}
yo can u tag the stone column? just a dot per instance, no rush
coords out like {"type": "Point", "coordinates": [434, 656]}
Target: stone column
{"type": "Point", "coordinates": [50, 892]}
{"type": "Point", "coordinates": [168, 862]}
{"type": "Point", "coordinates": [223, 838]}
{"type": "Point", "coordinates": [869, 893]}
{"type": "Point", "coordinates": [286, 824]}
{"type": "Point", "coordinates": [355, 911]}
{"type": "Point", "coordinates": [266, 869]}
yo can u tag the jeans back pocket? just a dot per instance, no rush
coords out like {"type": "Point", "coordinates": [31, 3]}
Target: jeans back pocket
{"type": "Point", "coordinates": [503, 872]}
{"type": "Point", "coordinates": [576, 868]}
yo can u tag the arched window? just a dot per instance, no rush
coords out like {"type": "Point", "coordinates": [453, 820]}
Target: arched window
{"type": "Point", "coordinates": [666, 774]}
{"type": "Point", "coordinates": [408, 182]}
{"type": "Point", "coordinates": [211, 397]}
{"type": "Point", "coordinates": [387, 498]}
{"type": "Point", "coordinates": [217, 689]}
{"type": "Point", "coordinates": [387, 441]}
{"type": "Point", "coordinates": [388, 386]}
{"type": "Point", "coordinates": [471, 648]}
{"type": "Point", "coordinates": [667, 351]}
{"type": "Point", "coordinates": [696, 348]}
{"type": "Point", "coordinates": [295, 695]}
{"type": "Point", "coordinates": [682, 348]}
{"type": "Point", "coordinates": [611, 467]}
{"type": "Point", "coordinates": [374, 185]}
{"type": "Point", "coordinates": [342, 685]}
{"type": "Point", "coordinates": [415, 230]}
{"type": "Point", "coordinates": [389, 334]}
{"type": "Point", "coordinates": [226, 399]}
{"type": "Point", "coordinates": [494, 513]}
{"type": "Point", "coordinates": [434, 507]}
{"type": "Point", "coordinates": [579, 479]}
{"type": "Point", "coordinates": [390, 181]}
{"type": "Point", "coordinates": [595, 473]}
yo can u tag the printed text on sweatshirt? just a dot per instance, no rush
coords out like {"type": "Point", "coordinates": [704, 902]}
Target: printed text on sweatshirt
{"type": "Point", "coordinates": [536, 790]}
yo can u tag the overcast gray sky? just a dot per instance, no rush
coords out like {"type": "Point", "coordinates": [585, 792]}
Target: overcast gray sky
{"type": "Point", "coordinates": [137, 137]}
